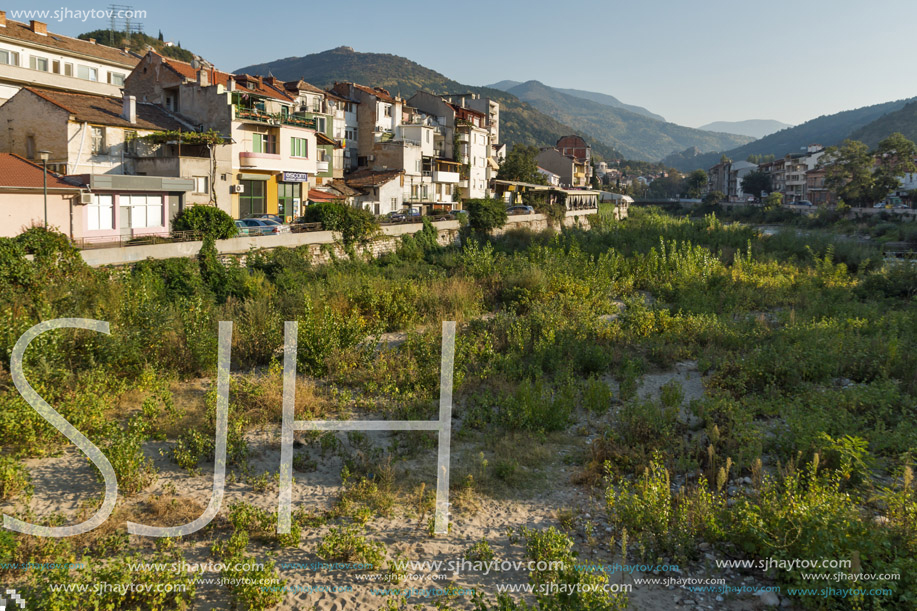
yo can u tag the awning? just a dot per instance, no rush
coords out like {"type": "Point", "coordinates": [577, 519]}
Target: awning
{"type": "Point", "coordinates": [493, 164]}
{"type": "Point", "coordinates": [322, 139]}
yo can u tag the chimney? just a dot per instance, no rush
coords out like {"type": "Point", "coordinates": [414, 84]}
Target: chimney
{"type": "Point", "coordinates": [126, 49]}
{"type": "Point", "coordinates": [130, 109]}
{"type": "Point", "coordinates": [203, 77]}
{"type": "Point", "coordinates": [92, 41]}
{"type": "Point", "coordinates": [39, 27]}
{"type": "Point", "coordinates": [2, 19]}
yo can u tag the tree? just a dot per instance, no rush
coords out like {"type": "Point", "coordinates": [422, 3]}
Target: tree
{"type": "Point", "coordinates": [773, 200]}
{"type": "Point", "coordinates": [160, 36]}
{"type": "Point", "coordinates": [848, 172]}
{"type": "Point", "coordinates": [894, 158]}
{"type": "Point", "coordinates": [714, 198]}
{"type": "Point", "coordinates": [354, 225]}
{"type": "Point", "coordinates": [521, 165]}
{"type": "Point", "coordinates": [695, 183]}
{"type": "Point", "coordinates": [667, 187]}
{"type": "Point", "coordinates": [485, 215]}
{"type": "Point", "coordinates": [757, 182]}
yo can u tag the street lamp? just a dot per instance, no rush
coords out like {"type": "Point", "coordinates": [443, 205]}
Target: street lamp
{"type": "Point", "coordinates": [44, 164]}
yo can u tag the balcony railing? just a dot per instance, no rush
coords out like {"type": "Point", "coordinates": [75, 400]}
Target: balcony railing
{"type": "Point", "coordinates": [321, 166]}
{"type": "Point", "coordinates": [254, 114]}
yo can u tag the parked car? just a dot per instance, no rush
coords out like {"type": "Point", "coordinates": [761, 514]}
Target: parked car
{"type": "Point", "coordinates": [268, 217]}
{"type": "Point", "coordinates": [804, 202]}
{"type": "Point", "coordinates": [242, 228]}
{"type": "Point", "coordinates": [393, 217]}
{"type": "Point", "coordinates": [879, 205]}
{"type": "Point", "coordinates": [263, 227]}
{"type": "Point", "coordinates": [902, 206]}
{"type": "Point", "coordinates": [520, 210]}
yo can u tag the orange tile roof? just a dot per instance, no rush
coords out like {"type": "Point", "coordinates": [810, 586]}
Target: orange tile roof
{"type": "Point", "coordinates": [22, 33]}
{"type": "Point", "coordinates": [104, 110]}
{"type": "Point", "coordinates": [380, 93]}
{"type": "Point", "coordinates": [370, 178]}
{"type": "Point", "coordinates": [16, 171]}
{"type": "Point", "coordinates": [217, 77]}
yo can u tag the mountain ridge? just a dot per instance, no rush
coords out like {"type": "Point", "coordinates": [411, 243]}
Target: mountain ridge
{"type": "Point", "coordinates": [592, 96]}
{"type": "Point", "coordinates": [754, 128]}
{"type": "Point", "coordinates": [637, 136]}
{"type": "Point", "coordinates": [519, 122]}
{"type": "Point", "coordinates": [826, 130]}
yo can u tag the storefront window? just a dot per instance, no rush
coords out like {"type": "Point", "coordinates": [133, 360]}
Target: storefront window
{"type": "Point", "coordinates": [252, 199]}
{"type": "Point", "coordinates": [286, 193]}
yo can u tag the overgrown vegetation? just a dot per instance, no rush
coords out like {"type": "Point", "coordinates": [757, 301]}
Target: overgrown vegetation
{"type": "Point", "coordinates": [802, 444]}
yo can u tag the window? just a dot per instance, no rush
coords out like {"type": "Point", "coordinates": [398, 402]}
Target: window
{"type": "Point", "coordinates": [87, 73]}
{"type": "Point", "coordinates": [68, 69]}
{"type": "Point", "coordinates": [387, 110]}
{"type": "Point", "coordinates": [99, 213]}
{"type": "Point", "coordinates": [10, 58]}
{"type": "Point", "coordinates": [201, 184]}
{"type": "Point", "coordinates": [115, 78]}
{"type": "Point", "coordinates": [322, 154]}
{"type": "Point", "coordinates": [139, 211]}
{"type": "Point", "coordinates": [251, 201]}
{"type": "Point", "coordinates": [286, 193]}
{"type": "Point", "coordinates": [320, 124]}
{"type": "Point", "coordinates": [264, 143]}
{"type": "Point", "coordinates": [316, 104]}
{"type": "Point", "coordinates": [30, 147]}
{"type": "Point", "coordinates": [98, 141]}
{"type": "Point", "coordinates": [55, 66]}
{"type": "Point", "coordinates": [427, 132]}
{"type": "Point", "coordinates": [38, 63]}
{"type": "Point", "coordinates": [299, 147]}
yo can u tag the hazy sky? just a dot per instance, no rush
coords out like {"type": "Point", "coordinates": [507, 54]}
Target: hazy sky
{"type": "Point", "coordinates": [691, 61]}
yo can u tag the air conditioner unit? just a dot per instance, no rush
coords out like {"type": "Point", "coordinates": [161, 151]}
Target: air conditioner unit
{"type": "Point", "coordinates": [237, 188]}
{"type": "Point", "coordinates": [85, 198]}
{"type": "Point", "coordinates": [370, 157]}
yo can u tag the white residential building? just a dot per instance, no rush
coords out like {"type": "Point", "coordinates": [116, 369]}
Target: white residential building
{"type": "Point", "coordinates": [32, 56]}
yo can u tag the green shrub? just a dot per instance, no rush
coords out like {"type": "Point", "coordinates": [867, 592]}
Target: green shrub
{"type": "Point", "coordinates": [349, 544]}
{"type": "Point", "coordinates": [14, 479]}
{"type": "Point", "coordinates": [208, 221]}
{"type": "Point", "coordinates": [355, 225]}
{"type": "Point", "coordinates": [485, 215]}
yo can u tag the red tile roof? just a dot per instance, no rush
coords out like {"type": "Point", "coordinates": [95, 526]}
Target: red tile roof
{"type": "Point", "coordinates": [302, 85]}
{"type": "Point", "coordinates": [22, 33]}
{"type": "Point", "coordinates": [103, 110]}
{"type": "Point", "coordinates": [321, 196]}
{"type": "Point", "coordinates": [217, 77]}
{"type": "Point", "coordinates": [22, 173]}
{"type": "Point", "coordinates": [380, 93]}
{"type": "Point", "coordinates": [370, 178]}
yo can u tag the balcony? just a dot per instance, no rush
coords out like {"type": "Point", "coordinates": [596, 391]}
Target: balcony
{"type": "Point", "coordinates": [298, 121]}
{"type": "Point", "coordinates": [259, 161]}
{"type": "Point", "coordinates": [464, 138]}
{"type": "Point", "coordinates": [463, 183]}
{"type": "Point", "coordinates": [243, 113]}
{"type": "Point", "coordinates": [446, 177]}
{"type": "Point", "coordinates": [322, 166]}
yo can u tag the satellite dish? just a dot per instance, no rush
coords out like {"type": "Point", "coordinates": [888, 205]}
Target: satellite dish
{"type": "Point", "coordinates": [195, 63]}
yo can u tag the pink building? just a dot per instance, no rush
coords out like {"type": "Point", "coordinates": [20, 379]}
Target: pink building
{"type": "Point", "coordinates": [22, 198]}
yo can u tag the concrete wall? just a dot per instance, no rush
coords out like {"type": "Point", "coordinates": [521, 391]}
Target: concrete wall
{"type": "Point", "coordinates": [28, 209]}
{"type": "Point", "coordinates": [322, 245]}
